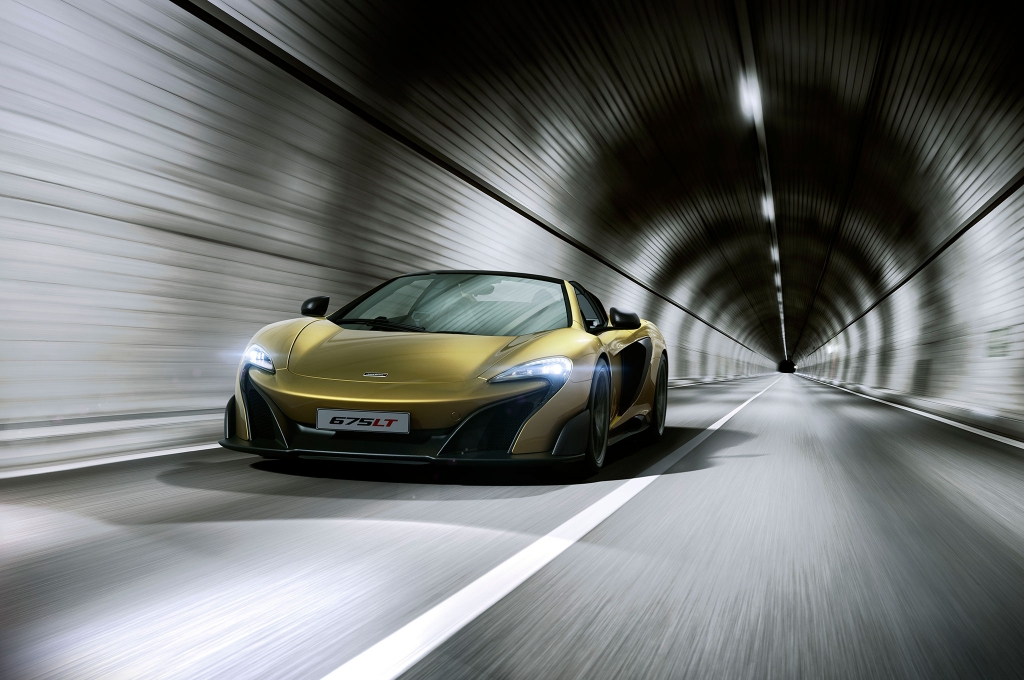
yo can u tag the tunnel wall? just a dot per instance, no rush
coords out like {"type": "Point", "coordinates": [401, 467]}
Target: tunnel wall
{"type": "Point", "coordinates": [950, 341]}
{"type": "Point", "coordinates": [165, 193]}
{"type": "Point", "coordinates": [536, 105]}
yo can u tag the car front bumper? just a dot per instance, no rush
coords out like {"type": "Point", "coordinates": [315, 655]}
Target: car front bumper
{"type": "Point", "coordinates": [486, 436]}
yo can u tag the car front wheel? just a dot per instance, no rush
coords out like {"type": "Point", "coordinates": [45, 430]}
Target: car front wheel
{"type": "Point", "coordinates": [600, 416]}
{"type": "Point", "coordinates": [659, 410]}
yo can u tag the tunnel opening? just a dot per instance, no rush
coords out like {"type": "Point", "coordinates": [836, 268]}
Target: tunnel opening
{"type": "Point", "coordinates": [787, 366]}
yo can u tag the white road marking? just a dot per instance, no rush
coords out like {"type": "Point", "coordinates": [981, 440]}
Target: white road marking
{"type": "Point", "coordinates": [75, 465]}
{"type": "Point", "coordinates": [396, 653]}
{"type": "Point", "coordinates": [973, 430]}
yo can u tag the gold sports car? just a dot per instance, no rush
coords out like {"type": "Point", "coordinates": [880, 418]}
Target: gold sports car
{"type": "Point", "coordinates": [452, 366]}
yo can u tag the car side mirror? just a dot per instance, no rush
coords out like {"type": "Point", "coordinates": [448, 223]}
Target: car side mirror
{"type": "Point", "coordinates": [315, 306]}
{"type": "Point", "coordinates": [624, 321]}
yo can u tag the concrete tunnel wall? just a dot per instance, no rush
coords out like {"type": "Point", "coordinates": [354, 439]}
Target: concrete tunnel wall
{"type": "Point", "coordinates": [950, 340]}
{"type": "Point", "coordinates": [166, 193]}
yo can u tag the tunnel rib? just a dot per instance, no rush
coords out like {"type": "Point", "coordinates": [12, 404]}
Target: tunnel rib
{"type": "Point", "coordinates": [237, 31]}
{"type": "Point", "coordinates": [874, 92]}
{"type": "Point", "coordinates": [991, 204]}
{"type": "Point", "coordinates": [712, 240]}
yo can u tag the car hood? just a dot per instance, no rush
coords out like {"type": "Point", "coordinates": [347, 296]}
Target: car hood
{"type": "Point", "coordinates": [324, 350]}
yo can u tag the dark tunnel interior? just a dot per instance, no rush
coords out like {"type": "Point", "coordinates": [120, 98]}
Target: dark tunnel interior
{"type": "Point", "coordinates": [826, 189]}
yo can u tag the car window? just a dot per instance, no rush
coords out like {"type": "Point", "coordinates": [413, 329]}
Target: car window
{"type": "Point", "coordinates": [603, 315]}
{"type": "Point", "coordinates": [476, 304]}
{"type": "Point", "coordinates": [398, 303]}
{"type": "Point", "coordinates": [590, 307]}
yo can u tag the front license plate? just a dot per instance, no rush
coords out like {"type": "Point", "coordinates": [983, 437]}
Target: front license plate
{"type": "Point", "coordinates": [362, 421]}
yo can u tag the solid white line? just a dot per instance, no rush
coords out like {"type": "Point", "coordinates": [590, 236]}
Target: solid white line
{"type": "Point", "coordinates": [973, 430]}
{"type": "Point", "coordinates": [396, 653]}
{"type": "Point", "coordinates": [26, 472]}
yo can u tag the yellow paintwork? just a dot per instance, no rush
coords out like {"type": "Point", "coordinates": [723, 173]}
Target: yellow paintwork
{"type": "Point", "coordinates": [430, 405]}
{"type": "Point", "coordinates": [439, 379]}
{"type": "Point", "coordinates": [325, 350]}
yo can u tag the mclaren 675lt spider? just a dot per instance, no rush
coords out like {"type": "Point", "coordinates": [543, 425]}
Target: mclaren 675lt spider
{"type": "Point", "coordinates": [451, 366]}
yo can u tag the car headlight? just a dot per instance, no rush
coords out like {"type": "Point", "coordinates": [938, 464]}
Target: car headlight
{"type": "Point", "coordinates": [260, 358]}
{"type": "Point", "coordinates": [553, 369]}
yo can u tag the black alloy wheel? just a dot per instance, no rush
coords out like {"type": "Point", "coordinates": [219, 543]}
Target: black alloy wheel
{"type": "Point", "coordinates": [600, 416]}
{"type": "Point", "coordinates": [659, 409]}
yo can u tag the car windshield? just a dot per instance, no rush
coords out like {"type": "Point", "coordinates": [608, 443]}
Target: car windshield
{"type": "Point", "coordinates": [474, 304]}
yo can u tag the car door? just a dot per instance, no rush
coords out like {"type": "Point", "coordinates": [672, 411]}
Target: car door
{"type": "Point", "coordinates": [595, 317]}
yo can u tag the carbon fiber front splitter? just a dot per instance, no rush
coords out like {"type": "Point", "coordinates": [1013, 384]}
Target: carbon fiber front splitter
{"type": "Point", "coordinates": [476, 458]}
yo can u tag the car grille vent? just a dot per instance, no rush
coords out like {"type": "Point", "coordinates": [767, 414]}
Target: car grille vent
{"type": "Point", "coordinates": [495, 427]}
{"type": "Point", "coordinates": [261, 419]}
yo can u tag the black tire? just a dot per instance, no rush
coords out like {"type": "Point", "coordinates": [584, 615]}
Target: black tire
{"type": "Point", "coordinates": [600, 405]}
{"type": "Point", "coordinates": [660, 407]}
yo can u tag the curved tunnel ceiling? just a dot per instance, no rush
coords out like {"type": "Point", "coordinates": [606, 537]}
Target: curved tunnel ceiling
{"type": "Point", "coordinates": [887, 130]}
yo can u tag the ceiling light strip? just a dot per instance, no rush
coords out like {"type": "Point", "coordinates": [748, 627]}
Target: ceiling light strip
{"type": "Point", "coordinates": [750, 102]}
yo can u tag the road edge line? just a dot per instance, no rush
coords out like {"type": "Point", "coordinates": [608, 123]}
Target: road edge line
{"type": "Point", "coordinates": [968, 428]}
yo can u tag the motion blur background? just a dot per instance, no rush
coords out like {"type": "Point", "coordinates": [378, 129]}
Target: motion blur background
{"type": "Point", "coordinates": [835, 184]}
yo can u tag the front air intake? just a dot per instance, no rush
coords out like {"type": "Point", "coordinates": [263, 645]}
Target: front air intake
{"type": "Point", "coordinates": [491, 431]}
{"type": "Point", "coordinates": [261, 418]}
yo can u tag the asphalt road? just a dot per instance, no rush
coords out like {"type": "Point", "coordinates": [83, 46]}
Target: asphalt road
{"type": "Point", "coordinates": [817, 534]}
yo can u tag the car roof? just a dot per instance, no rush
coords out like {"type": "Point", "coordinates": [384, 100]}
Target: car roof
{"type": "Point", "coordinates": [552, 279]}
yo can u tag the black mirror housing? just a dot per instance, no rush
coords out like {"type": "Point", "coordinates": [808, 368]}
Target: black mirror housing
{"type": "Point", "coordinates": [315, 306]}
{"type": "Point", "coordinates": [624, 321]}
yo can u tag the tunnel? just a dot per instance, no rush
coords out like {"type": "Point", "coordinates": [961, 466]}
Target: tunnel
{"type": "Point", "coordinates": [788, 236]}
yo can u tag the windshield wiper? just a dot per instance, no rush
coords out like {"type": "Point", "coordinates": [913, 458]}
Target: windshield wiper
{"type": "Point", "coordinates": [382, 322]}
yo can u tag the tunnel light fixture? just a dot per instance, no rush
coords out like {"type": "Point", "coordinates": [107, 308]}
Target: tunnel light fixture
{"type": "Point", "coordinates": [778, 288]}
{"type": "Point", "coordinates": [750, 104]}
{"type": "Point", "coordinates": [750, 97]}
